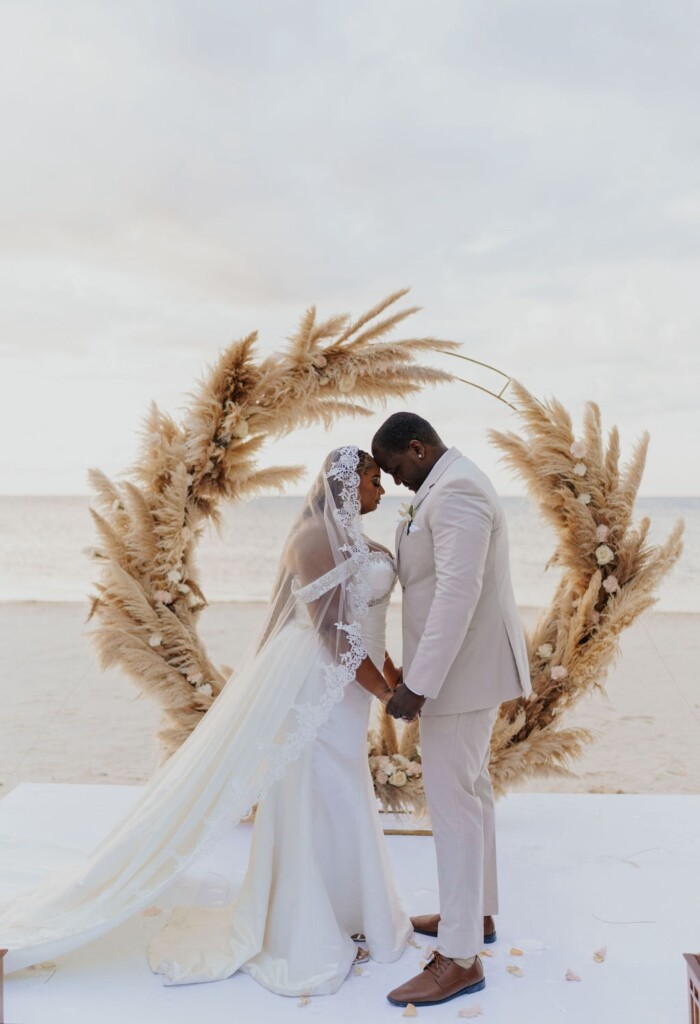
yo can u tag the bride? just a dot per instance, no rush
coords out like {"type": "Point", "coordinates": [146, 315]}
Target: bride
{"type": "Point", "coordinates": [288, 731]}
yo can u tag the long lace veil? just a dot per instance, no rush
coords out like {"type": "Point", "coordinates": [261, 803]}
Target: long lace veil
{"type": "Point", "coordinates": [270, 708]}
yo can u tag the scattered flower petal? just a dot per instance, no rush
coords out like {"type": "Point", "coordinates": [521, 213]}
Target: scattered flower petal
{"type": "Point", "coordinates": [412, 942]}
{"type": "Point", "coordinates": [410, 1011]}
{"type": "Point", "coordinates": [470, 1012]}
{"type": "Point", "coordinates": [558, 672]}
{"type": "Point", "coordinates": [580, 469]}
{"type": "Point", "coordinates": [304, 1001]}
{"type": "Point", "coordinates": [604, 555]}
{"type": "Point", "coordinates": [155, 640]}
{"type": "Point", "coordinates": [514, 951]}
{"type": "Point", "coordinates": [571, 975]}
{"type": "Point", "coordinates": [578, 449]}
{"type": "Point", "coordinates": [600, 955]}
{"type": "Point", "coordinates": [602, 532]}
{"type": "Point", "coordinates": [485, 952]}
{"type": "Point", "coordinates": [611, 584]}
{"type": "Point", "coordinates": [359, 969]}
{"type": "Point", "coordinates": [151, 912]}
{"type": "Point", "coordinates": [517, 972]}
{"type": "Point", "coordinates": [545, 651]}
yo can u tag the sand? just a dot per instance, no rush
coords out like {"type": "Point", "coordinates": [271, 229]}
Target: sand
{"type": "Point", "coordinates": [64, 720]}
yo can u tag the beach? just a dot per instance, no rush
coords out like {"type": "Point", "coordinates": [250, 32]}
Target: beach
{"type": "Point", "coordinates": [66, 720]}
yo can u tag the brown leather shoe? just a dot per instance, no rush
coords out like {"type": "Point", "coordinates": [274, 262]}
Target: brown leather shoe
{"type": "Point", "coordinates": [427, 924]}
{"type": "Point", "coordinates": [441, 979]}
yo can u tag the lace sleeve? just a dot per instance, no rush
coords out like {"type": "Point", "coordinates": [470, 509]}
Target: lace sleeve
{"type": "Point", "coordinates": [317, 588]}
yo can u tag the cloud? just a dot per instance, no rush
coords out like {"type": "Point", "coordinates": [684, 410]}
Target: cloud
{"type": "Point", "coordinates": [180, 174]}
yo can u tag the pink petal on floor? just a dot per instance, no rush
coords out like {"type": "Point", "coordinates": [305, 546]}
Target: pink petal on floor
{"type": "Point", "coordinates": [517, 972]}
{"type": "Point", "coordinates": [571, 975]}
{"type": "Point", "coordinates": [410, 1011]}
{"type": "Point", "coordinates": [600, 955]}
{"type": "Point", "coordinates": [470, 1012]}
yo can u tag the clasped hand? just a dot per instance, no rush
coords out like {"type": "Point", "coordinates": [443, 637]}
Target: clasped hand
{"type": "Point", "coordinates": [404, 704]}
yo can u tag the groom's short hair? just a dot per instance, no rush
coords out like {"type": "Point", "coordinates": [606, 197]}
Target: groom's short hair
{"type": "Point", "coordinates": [395, 433]}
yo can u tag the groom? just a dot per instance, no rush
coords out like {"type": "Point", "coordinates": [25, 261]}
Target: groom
{"type": "Point", "coordinates": [463, 655]}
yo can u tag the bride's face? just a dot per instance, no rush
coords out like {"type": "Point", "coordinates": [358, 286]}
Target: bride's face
{"type": "Point", "coordinates": [370, 490]}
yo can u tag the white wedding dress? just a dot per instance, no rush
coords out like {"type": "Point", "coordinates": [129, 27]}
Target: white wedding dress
{"type": "Point", "coordinates": [318, 871]}
{"type": "Point", "coordinates": [289, 730]}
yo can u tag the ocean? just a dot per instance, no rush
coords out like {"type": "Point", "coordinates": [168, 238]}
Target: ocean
{"type": "Point", "coordinates": [43, 542]}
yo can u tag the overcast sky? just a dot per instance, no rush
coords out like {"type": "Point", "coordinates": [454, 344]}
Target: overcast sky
{"type": "Point", "coordinates": [175, 174]}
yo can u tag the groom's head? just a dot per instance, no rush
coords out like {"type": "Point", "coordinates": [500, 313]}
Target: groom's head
{"type": "Point", "coordinates": [407, 447]}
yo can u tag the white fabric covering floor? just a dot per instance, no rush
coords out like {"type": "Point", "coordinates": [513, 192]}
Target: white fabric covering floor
{"type": "Point", "coordinates": [578, 872]}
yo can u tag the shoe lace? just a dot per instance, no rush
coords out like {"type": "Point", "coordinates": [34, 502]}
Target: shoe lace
{"type": "Point", "coordinates": [437, 964]}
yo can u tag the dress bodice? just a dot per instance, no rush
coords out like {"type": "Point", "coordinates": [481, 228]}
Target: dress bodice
{"type": "Point", "coordinates": [382, 577]}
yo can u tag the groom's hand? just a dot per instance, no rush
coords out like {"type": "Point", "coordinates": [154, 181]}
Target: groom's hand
{"type": "Point", "coordinates": [404, 703]}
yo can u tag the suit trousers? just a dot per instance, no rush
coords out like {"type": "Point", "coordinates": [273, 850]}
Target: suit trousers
{"type": "Point", "coordinates": [455, 754]}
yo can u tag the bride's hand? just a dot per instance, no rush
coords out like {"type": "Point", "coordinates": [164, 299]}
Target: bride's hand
{"type": "Point", "coordinates": [391, 673]}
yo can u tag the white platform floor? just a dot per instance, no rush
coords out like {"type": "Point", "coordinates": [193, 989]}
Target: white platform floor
{"type": "Point", "coordinates": [577, 873]}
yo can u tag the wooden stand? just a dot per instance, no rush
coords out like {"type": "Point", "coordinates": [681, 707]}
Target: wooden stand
{"type": "Point", "coordinates": [2, 1011]}
{"type": "Point", "coordinates": [693, 961]}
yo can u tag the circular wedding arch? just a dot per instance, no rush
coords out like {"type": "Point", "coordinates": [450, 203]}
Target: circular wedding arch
{"type": "Point", "coordinates": [148, 596]}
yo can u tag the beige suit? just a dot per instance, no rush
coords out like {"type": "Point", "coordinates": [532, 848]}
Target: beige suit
{"type": "Point", "coordinates": [464, 650]}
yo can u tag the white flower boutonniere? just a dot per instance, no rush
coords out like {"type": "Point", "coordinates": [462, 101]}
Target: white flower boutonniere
{"type": "Point", "coordinates": [407, 514]}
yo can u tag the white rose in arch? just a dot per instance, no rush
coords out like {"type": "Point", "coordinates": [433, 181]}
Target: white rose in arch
{"type": "Point", "coordinates": [398, 779]}
{"type": "Point", "coordinates": [602, 532]}
{"type": "Point", "coordinates": [545, 651]}
{"type": "Point", "coordinates": [174, 576]}
{"type": "Point", "coordinates": [155, 640]}
{"type": "Point", "coordinates": [163, 596]}
{"type": "Point", "coordinates": [558, 672]}
{"type": "Point", "coordinates": [578, 449]}
{"type": "Point", "coordinates": [604, 554]}
{"type": "Point", "coordinates": [205, 689]}
{"type": "Point", "coordinates": [580, 469]}
{"type": "Point", "coordinates": [241, 429]}
{"type": "Point", "coordinates": [585, 498]}
{"type": "Point", "coordinates": [196, 679]}
{"type": "Point", "coordinates": [611, 584]}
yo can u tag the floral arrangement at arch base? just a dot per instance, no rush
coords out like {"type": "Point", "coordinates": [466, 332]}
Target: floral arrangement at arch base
{"type": "Point", "coordinates": [610, 575]}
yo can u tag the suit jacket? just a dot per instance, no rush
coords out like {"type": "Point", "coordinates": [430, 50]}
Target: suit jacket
{"type": "Point", "coordinates": [463, 643]}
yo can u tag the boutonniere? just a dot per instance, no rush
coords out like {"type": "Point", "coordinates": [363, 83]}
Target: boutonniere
{"type": "Point", "coordinates": [407, 514]}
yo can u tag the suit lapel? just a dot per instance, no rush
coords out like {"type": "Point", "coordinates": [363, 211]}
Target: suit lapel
{"type": "Point", "coordinates": [450, 456]}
